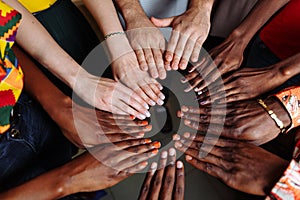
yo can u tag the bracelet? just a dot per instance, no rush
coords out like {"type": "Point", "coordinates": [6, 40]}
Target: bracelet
{"type": "Point", "coordinates": [114, 33]}
{"type": "Point", "coordinates": [278, 122]}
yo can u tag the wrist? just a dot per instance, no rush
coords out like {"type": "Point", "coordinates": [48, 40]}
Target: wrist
{"type": "Point", "coordinates": [117, 46]}
{"type": "Point", "coordinates": [201, 4]}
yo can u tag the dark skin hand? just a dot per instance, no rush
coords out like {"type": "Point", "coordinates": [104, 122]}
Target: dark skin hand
{"type": "Point", "coordinates": [165, 181]}
{"type": "Point", "coordinates": [102, 167]}
{"type": "Point", "coordinates": [245, 120]}
{"type": "Point", "coordinates": [240, 165]}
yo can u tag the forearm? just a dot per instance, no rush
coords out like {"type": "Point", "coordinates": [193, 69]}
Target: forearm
{"type": "Point", "coordinates": [131, 11]}
{"type": "Point", "coordinates": [38, 86]}
{"type": "Point", "coordinates": [35, 40]}
{"type": "Point", "coordinates": [202, 4]}
{"type": "Point", "coordinates": [259, 15]}
{"type": "Point", "coordinates": [44, 187]}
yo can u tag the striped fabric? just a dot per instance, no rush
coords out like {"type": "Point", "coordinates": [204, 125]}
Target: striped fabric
{"type": "Point", "coordinates": [11, 76]}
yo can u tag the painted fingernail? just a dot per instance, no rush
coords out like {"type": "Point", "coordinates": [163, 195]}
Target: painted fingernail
{"type": "Point", "coordinates": [156, 144]}
{"type": "Point", "coordinates": [172, 152]}
{"type": "Point", "coordinates": [146, 106]}
{"type": "Point", "coordinates": [147, 141]}
{"type": "Point", "coordinates": [179, 114]}
{"type": "Point", "coordinates": [160, 102]}
{"type": "Point", "coordinates": [186, 134]}
{"type": "Point", "coordinates": [179, 165]}
{"type": "Point", "coordinates": [164, 154]}
{"type": "Point", "coordinates": [132, 117]}
{"type": "Point", "coordinates": [178, 145]}
{"type": "Point", "coordinates": [149, 127]}
{"type": "Point", "coordinates": [200, 92]}
{"type": "Point", "coordinates": [152, 103]}
{"type": "Point", "coordinates": [140, 135]}
{"type": "Point", "coordinates": [161, 96]}
{"type": "Point", "coordinates": [184, 109]}
{"type": "Point", "coordinates": [144, 164]}
{"type": "Point", "coordinates": [154, 151]}
{"type": "Point", "coordinates": [187, 157]}
{"type": "Point", "coordinates": [147, 113]}
{"type": "Point", "coordinates": [176, 137]}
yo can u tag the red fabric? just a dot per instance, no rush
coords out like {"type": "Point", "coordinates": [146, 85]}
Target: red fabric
{"type": "Point", "coordinates": [7, 98]}
{"type": "Point", "coordinates": [282, 34]}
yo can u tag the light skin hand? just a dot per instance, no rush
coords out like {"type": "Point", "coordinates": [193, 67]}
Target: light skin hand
{"type": "Point", "coordinates": [245, 121]}
{"type": "Point", "coordinates": [240, 165]}
{"type": "Point", "coordinates": [126, 70]}
{"type": "Point", "coordinates": [165, 181]}
{"type": "Point", "coordinates": [190, 30]}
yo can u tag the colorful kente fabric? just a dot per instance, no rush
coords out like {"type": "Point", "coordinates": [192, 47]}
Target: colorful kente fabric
{"type": "Point", "coordinates": [11, 75]}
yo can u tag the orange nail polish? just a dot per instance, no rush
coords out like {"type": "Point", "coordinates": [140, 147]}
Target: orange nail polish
{"type": "Point", "coordinates": [144, 164]}
{"type": "Point", "coordinates": [154, 151]}
{"type": "Point", "coordinates": [148, 127]}
{"type": "Point", "coordinates": [144, 123]}
{"type": "Point", "coordinates": [148, 141]}
{"type": "Point", "coordinates": [157, 144]}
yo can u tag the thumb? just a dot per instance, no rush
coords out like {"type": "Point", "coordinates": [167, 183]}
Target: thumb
{"type": "Point", "coordinates": [165, 22]}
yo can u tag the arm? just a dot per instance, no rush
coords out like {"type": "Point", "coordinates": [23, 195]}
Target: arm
{"type": "Point", "coordinates": [228, 56]}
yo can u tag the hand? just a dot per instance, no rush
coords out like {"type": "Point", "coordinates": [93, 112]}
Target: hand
{"type": "Point", "coordinates": [246, 83]}
{"type": "Point", "coordinates": [86, 127]}
{"type": "Point", "coordinates": [247, 121]}
{"type": "Point", "coordinates": [109, 95]}
{"type": "Point", "coordinates": [240, 165]}
{"type": "Point", "coordinates": [126, 70]}
{"type": "Point", "coordinates": [149, 45]}
{"type": "Point", "coordinates": [221, 60]}
{"type": "Point", "coordinates": [190, 30]}
{"type": "Point", "coordinates": [107, 165]}
{"type": "Point", "coordinates": [166, 182]}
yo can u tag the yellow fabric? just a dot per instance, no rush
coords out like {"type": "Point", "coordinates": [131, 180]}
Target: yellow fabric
{"type": "Point", "coordinates": [37, 5]}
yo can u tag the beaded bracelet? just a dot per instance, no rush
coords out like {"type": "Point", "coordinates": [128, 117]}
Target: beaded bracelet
{"type": "Point", "coordinates": [278, 122]}
{"type": "Point", "coordinates": [290, 98]}
{"type": "Point", "coordinates": [114, 33]}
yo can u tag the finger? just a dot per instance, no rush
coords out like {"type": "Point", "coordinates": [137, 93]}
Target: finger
{"type": "Point", "coordinates": [169, 176]}
{"type": "Point", "coordinates": [127, 122]}
{"type": "Point", "coordinates": [151, 62]}
{"type": "Point", "coordinates": [146, 187]}
{"type": "Point", "coordinates": [141, 59]}
{"type": "Point", "coordinates": [199, 64]}
{"type": "Point", "coordinates": [196, 50]}
{"type": "Point", "coordinates": [162, 22]}
{"type": "Point", "coordinates": [188, 49]}
{"type": "Point", "coordinates": [159, 63]}
{"type": "Point", "coordinates": [171, 46]}
{"type": "Point", "coordinates": [178, 193]}
{"type": "Point", "coordinates": [179, 52]}
{"type": "Point", "coordinates": [132, 169]}
{"type": "Point", "coordinates": [156, 90]}
{"type": "Point", "coordinates": [119, 137]}
{"type": "Point", "coordinates": [194, 83]}
{"type": "Point", "coordinates": [126, 108]}
{"type": "Point", "coordinates": [151, 94]}
{"type": "Point", "coordinates": [157, 182]}
{"type": "Point", "coordinates": [131, 130]}
{"type": "Point", "coordinates": [196, 117]}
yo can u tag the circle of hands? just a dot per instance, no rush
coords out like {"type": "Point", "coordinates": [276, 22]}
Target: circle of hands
{"type": "Point", "coordinates": [235, 123]}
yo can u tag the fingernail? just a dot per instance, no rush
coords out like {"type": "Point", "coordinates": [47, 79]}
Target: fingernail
{"type": "Point", "coordinates": [164, 154]}
{"type": "Point", "coordinates": [179, 165]}
{"type": "Point", "coordinates": [149, 127]}
{"type": "Point", "coordinates": [161, 87]}
{"type": "Point", "coordinates": [203, 102]}
{"type": "Point", "coordinates": [182, 66]}
{"type": "Point", "coordinates": [146, 106]}
{"type": "Point", "coordinates": [172, 152]}
{"type": "Point", "coordinates": [153, 166]}
{"type": "Point", "coordinates": [156, 144]}
{"type": "Point", "coordinates": [187, 122]}
{"type": "Point", "coordinates": [200, 92]}
{"type": "Point", "coordinates": [178, 145]}
{"type": "Point", "coordinates": [140, 135]}
{"type": "Point", "coordinates": [187, 157]}
{"type": "Point", "coordinates": [160, 102]}
{"type": "Point", "coordinates": [132, 117]}
{"type": "Point", "coordinates": [175, 66]}
{"type": "Point", "coordinates": [169, 58]}
{"type": "Point", "coordinates": [184, 109]}
{"type": "Point", "coordinates": [161, 96]}
{"type": "Point", "coordinates": [147, 113]}
{"type": "Point", "coordinates": [186, 134]}
{"type": "Point", "coordinates": [154, 151]}
{"type": "Point", "coordinates": [144, 164]}
{"type": "Point", "coordinates": [179, 114]}
{"type": "Point", "coordinates": [183, 80]}
{"type": "Point", "coordinates": [140, 116]}
{"type": "Point", "coordinates": [148, 141]}
{"type": "Point", "coordinates": [176, 137]}
{"type": "Point", "coordinates": [152, 103]}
